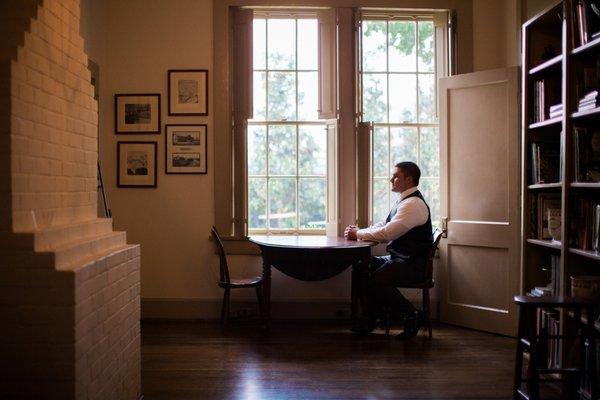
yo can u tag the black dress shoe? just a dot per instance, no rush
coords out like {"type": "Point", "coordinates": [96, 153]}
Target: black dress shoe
{"type": "Point", "coordinates": [412, 325]}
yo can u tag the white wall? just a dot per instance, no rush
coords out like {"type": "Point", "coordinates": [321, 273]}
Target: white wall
{"type": "Point", "coordinates": [135, 43]}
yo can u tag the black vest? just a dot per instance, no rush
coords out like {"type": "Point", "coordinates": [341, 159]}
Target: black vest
{"type": "Point", "coordinates": [415, 243]}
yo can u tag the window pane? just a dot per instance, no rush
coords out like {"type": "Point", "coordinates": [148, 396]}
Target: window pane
{"type": "Point", "coordinates": [282, 203]}
{"type": "Point", "coordinates": [311, 195]}
{"type": "Point", "coordinates": [282, 43]}
{"type": "Point", "coordinates": [426, 46]}
{"type": "Point", "coordinates": [282, 150]}
{"type": "Point", "coordinates": [403, 99]}
{"type": "Point", "coordinates": [307, 96]}
{"type": "Point", "coordinates": [381, 206]}
{"type": "Point", "coordinates": [374, 46]}
{"type": "Point", "coordinates": [282, 96]}
{"type": "Point", "coordinates": [402, 46]}
{"type": "Point", "coordinates": [259, 44]}
{"type": "Point", "coordinates": [430, 187]}
{"type": "Point", "coordinates": [257, 203]}
{"type": "Point", "coordinates": [403, 145]}
{"type": "Point", "coordinates": [426, 98]}
{"type": "Point", "coordinates": [430, 152]}
{"type": "Point", "coordinates": [375, 97]}
{"type": "Point", "coordinates": [381, 168]}
{"type": "Point", "coordinates": [257, 150]}
{"type": "Point", "coordinates": [313, 150]}
{"type": "Point", "coordinates": [307, 44]}
{"type": "Point", "coordinates": [259, 94]}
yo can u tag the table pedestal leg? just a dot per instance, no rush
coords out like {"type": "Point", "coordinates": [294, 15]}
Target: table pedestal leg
{"type": "Point", "coordinates": [357, 291]}
{"type": "Point", "coordinates": [267, 289]}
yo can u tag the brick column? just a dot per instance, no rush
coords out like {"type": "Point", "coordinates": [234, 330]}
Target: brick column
{"type": "Point", "coordinates": [69, 284]}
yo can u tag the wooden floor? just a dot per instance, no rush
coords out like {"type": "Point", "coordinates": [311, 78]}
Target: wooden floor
{"type": "Point", "coordinates": [302, 360]}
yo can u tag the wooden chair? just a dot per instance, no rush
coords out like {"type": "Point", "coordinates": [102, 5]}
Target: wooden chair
{"type": "Point", "coordinates": [427, 284]}
{"type": "Point", "coordinates": [227, 283]}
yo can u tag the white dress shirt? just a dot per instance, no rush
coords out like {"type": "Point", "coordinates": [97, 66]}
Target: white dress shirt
{"type": "Point", "coordinates": [410, 213]}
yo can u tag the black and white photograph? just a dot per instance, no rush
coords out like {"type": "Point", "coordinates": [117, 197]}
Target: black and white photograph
{"type": "Point", "coordinates": [188, 92]}
{"type": "Point", "coordinates": [185, 149]}
{"type": "Point", "coordinates": [137, 113]}
{"type": "Point", "coordinates": [181, 138]}
{"type": "Point", "coordinates": [186, 159]}
{"type": "Point", "coordinates": [136, 164]}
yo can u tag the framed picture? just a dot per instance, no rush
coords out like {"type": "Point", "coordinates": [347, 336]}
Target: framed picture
{"type": "Point", "coordinates": [136, 164]}
{"type": "Point", "coordinates": [137, 113]}
{"type": "Point", "coordinates": [188, 92]}
{"type": "Point", "coordinates": [185, 149]}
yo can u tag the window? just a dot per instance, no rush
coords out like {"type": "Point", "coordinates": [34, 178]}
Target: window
{"type": "Point", "coordinates": [286, 142]}
{"type": "Point", "coordinates": [398, 75]}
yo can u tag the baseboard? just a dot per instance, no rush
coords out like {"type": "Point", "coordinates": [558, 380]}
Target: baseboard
{"type": "Point", "coordinates": [280, 310]}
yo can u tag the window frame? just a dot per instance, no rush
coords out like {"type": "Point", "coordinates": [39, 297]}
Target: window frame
{"type": "Point", "coordinates": [441, 20]}
{"type": "Point", "coordinates": [270, 14]}
{"type": "Point", "coordinates": [351, 205]}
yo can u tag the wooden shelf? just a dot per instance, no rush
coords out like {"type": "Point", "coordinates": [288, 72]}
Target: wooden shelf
{"type": "Point", "coordinates": [548, 122]}
{"type": "Point", "coordinates": [553, 62]}
{"type": "Point", "coordinates": [542, 186]}
{"type": "Point", "coordinates": [589, 185]}
{"type": "Point", "coordinates": [594, 44]}
{"type": "Point", "coordinates": [545, 243]}
{"type": "Point", "coordinates": [586, 253]}
{"type": "Point", "coordinates": [581, 114]}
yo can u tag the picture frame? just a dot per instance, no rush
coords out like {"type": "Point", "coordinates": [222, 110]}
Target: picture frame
{"type": "Point", "coordinates": [136, 164]}
{"type": "Point", "coordinates": [137, 113]}
{"type": "Point", "coordinates": [188, 91]}
{"type": "Point", "coordinates": [186, 149]}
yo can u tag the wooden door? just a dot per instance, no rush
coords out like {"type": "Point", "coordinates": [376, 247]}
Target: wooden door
{"type": "Point", "coordinates": [480, 186]}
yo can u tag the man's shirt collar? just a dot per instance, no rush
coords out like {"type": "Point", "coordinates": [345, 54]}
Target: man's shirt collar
{"type": "Point", "coordinates": [408, 192]}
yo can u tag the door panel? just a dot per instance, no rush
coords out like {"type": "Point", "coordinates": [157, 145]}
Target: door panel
{"type": "Point", "coordinates": [480, 199]}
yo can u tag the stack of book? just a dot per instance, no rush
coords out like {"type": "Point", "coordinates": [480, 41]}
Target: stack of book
{"type": "Point", "coordinates": [585, 230]}
{"type": "Point", "coordinates": [540, 291]}
{"type": "Point", "coordinates": [556, 110]}
{"type": "Point", "coordinates": [589, 101]}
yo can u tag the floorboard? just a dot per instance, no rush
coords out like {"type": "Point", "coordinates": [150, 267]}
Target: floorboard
{"type": "Point", "coordinates": [303, 360]}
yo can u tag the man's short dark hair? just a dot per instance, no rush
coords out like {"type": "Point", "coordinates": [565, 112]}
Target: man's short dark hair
{"type": "Point", "coordinates": [411, 169]}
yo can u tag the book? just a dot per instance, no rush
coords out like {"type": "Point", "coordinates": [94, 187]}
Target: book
{"type": "Point", "coordinates": [546, 201]}
{"type": "Point", "coordinates": [545, 162]}
{"type": "Point", "coordinates": [586, 154]}
{"type": "Point", "coordinates": [580, 13]}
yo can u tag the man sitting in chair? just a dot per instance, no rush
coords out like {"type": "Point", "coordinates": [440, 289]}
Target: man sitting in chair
{"type": "Point", "coordinates": [407, 231]}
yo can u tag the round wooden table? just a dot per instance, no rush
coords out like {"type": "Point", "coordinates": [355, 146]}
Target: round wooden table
{"type": "Point", "coordinates": [312, 258]}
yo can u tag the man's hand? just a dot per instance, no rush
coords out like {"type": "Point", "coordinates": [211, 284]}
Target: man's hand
{"type": "Point", "coordinates": [350, 232]}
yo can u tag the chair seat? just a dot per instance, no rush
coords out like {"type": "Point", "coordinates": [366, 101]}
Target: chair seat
{"type": "Point", "coordinates": [242, 282]}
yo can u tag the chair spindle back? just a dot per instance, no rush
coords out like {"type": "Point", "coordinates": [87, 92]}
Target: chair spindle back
{"type": "Point", "coordinates": [223, 268]}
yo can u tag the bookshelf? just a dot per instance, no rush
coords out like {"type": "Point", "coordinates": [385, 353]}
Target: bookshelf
{"type": "Point", "coordinates": [560, 151]}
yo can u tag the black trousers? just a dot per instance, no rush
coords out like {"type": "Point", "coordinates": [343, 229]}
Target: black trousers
{"type": "Point", "coordinates": [385, 274]}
